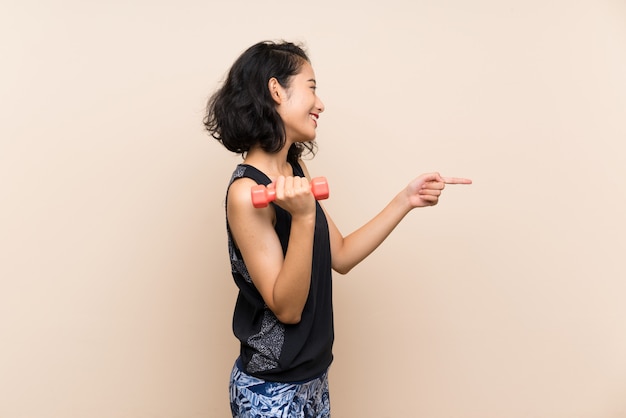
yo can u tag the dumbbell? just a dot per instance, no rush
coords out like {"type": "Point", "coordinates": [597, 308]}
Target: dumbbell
{"type": "Point", "coordinates": [262, 196]}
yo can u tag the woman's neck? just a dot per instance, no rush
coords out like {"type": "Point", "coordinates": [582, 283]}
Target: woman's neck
{"type": "Point", "coordinates": [272, 164]}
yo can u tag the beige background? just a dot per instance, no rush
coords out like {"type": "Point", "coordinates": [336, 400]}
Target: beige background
{"type": "Point", "coordinates": [506, 300]}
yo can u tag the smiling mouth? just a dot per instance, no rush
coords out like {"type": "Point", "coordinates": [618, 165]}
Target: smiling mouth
{"type": "Point", "coordinates": [315, 117]}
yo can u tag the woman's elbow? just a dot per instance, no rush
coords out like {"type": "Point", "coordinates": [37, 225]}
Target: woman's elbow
{"type": "Point", "coordinates": [342, 269]}
{"type": "Point", "coordinates": [342, 262]}
{"type": "Point", "coordinates": [289, 318]}
{"type": "Point", "coordinates": [288, 315]}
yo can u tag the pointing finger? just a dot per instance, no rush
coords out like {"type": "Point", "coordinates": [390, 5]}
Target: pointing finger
{"type": "Point", "coordinates": [456, 180]}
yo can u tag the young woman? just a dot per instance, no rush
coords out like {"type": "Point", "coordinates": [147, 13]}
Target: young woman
{"type": "Point", "coordinates": [282, 255]}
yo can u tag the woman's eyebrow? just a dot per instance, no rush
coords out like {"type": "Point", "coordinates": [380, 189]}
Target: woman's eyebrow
{"type": "Point", "coordinates": [313, 80]}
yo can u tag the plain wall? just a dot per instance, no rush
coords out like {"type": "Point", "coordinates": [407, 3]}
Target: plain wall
{"type": "Point", "coordinates": [505, 300]}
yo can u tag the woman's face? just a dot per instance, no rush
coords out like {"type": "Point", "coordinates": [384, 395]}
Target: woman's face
{"type": "Point", "coordinates": [299, 106]}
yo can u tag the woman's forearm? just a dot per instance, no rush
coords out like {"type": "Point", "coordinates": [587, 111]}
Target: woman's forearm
{"type": "Point", "coordinates": [356, 246]}
{"type": "Point", "coordinates": [292, 285]}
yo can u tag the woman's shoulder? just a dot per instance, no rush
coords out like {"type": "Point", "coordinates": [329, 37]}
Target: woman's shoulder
{"type": "Point", "coordinates": [239, 206]}
{"type": "Point", "coordinates": [239, 190]}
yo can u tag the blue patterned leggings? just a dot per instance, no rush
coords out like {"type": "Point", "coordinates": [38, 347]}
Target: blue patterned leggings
{"type": "Point", "coordinates": [251, 397]}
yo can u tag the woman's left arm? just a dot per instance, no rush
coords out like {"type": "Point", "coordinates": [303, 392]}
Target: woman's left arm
{"type": "Point", "coordinates": [349, 251]}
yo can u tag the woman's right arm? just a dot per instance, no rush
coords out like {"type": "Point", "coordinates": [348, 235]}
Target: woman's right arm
{"type": "Point", "coordinates": [282, 281]}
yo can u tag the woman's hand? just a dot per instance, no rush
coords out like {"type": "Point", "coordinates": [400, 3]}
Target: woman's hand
{"type": "Point", "coordinates": [426, 189]}
{"type": "Point", "coordinates": [294, 195]}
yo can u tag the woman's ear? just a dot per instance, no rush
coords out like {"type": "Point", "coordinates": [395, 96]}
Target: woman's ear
{"type": "Point", "coordinates": [275, 90]}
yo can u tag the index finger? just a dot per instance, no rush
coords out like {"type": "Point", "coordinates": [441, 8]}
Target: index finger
{"type": "Point", "coordinates": [456, 180]}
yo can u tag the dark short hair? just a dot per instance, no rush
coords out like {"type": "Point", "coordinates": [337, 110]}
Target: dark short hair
{"type": "Point", "coordinates": [242, 112]}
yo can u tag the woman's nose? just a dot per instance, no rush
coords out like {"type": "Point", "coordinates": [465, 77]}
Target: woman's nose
{"type": "Point", "coordinates": [320, 105]}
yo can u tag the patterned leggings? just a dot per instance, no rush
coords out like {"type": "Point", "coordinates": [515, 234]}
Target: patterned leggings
{"type": "Point", "coordinates": [251, 397]}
